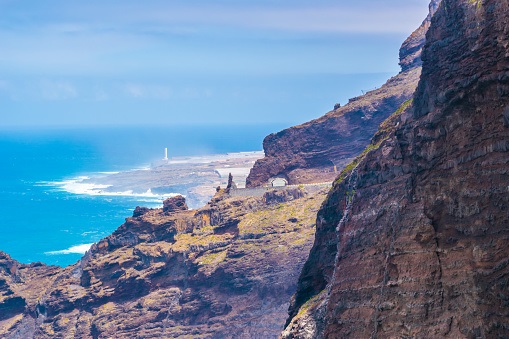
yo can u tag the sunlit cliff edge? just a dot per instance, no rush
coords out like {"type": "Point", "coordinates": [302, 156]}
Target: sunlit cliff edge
{"type": "Point", "coordinates": [412, 241]}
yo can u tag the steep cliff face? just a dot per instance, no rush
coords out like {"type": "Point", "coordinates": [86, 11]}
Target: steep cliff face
{"type": "Point", "coordinates": [11, 303]}
{"type": "Point", "coordinates": [224, 271]}
{"type": "Point", "coordinates": [410, 52]}
{"type": "Point", "coordinates": [309, 152]}
{"type": "Point", "coordinates": [413, 241]}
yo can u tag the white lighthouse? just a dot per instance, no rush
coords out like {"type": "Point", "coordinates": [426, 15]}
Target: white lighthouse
{"type": "Point", "coordinates": [165, 153]}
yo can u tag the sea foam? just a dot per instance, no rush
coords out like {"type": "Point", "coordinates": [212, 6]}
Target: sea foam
{"type": "Point", "coordinates": [78, 186]}
{"type": "Point", "coordinates": [77, 249]}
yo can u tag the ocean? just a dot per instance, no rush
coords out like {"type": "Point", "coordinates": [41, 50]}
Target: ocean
{"type": "Point", "coordinates": [43, 221]}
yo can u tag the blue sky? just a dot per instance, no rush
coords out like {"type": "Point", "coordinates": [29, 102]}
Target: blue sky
{"type": "Point", "coordinates": [122, 62]}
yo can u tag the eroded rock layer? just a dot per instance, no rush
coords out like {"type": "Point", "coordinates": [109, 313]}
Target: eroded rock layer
{"type": "Point", "coordinates": [309, 152]}
{"type": "Point", "coordinates": [413, 241]}
{"type": "Point", "coordinates": [224, 271]}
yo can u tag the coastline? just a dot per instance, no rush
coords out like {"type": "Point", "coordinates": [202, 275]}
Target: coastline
{"type": "Point", "coordinates": [49, 181]}
{"type": "Point", "coordinates": [195, 177]}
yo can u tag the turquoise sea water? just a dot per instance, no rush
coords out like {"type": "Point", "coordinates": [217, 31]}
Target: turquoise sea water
{"type": "Point", "coordinates": [40, 222]}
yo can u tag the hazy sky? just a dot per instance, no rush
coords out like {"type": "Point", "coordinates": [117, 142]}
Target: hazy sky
{"type": "Point", "coordinates": [69, 62]}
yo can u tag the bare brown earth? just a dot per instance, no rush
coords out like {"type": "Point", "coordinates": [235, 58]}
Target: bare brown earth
{"type": "Point", "coordinates": [413, 239]}
{"type": "Point", "coordinates": [308, 153]}
{"type": "Point", "coordinates": [226, 270]}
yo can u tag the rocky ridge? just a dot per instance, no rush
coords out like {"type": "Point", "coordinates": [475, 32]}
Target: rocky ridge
{"type": "Point", "coordinates": [413, 239]}
{"type": "Point", "coordinates": [309, 152]}
{"type": "Point", "coordinates": [226, 270]}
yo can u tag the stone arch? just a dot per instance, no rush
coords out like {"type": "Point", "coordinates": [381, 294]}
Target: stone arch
{"type": "Point", "coordinates": [278, 182]}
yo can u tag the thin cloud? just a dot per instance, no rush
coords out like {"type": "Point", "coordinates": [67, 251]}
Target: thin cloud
{"type": "Point", "coordinates": [101, 95]}
{"type": "Point", "coordinates": [135, 91]}
{"type": "Point", "coordinates": [162, 92]}
{"type": "Point", "coordinates": [396, 16]}
{"type": "Point", "coordinates": [115, 38]}
{"type": "Point", "coordinates": [57, 90]}
{"type": "Point", "coordinates": [138, 91]}
{"type": "Point", "coordinates": [333, 19]}
{"type": "Point", "coordinates": [137, 54]}
{"type": "Point", "coordinates": [376, 17]}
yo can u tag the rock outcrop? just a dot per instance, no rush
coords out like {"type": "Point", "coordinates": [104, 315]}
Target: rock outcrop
{"type": "Point", "coordinates": [226, 270]}
{"type": "Point", "coordinates": [11, 304]}
{"type": "Point", "coordinates": [413, 239]}
{"type": "Point", "coordinates": [411, 49]}
{"type": "Point", "coordinates": [312, 151]}
{"type": "Point", "coordinates": [175, 204]}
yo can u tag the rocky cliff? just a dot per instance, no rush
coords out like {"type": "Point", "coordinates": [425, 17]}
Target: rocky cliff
{"type": "Point", "coordinates": [413, 239]}
{"type": "Point", "coordinates": [309, 152]}
{"type": "Point", "coordinates": [224, 271]}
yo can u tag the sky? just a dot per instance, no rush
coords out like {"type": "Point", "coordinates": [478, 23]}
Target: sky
{"type": "Point", "coordinates": [67, 63]}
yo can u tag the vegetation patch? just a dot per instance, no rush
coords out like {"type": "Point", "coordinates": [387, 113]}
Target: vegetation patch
{"type": "Point", "coordinates": [212, 258]}
{"type": "Point", "coordinates": [185, 241]}
{"type": "Point", "coordinates": [477, 3]}
{"type": "Point", "coordinates": [312, 304]}
{"type": "Point", "coordinates": [285, 217]}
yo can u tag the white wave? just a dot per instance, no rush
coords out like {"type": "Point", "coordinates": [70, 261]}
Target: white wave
{"type": "Point", "coordinates": [77, 186]}
{"type": "Point", "coordinates": [84, 184]}
{"type": "Point", "coordinates": [77, 249]}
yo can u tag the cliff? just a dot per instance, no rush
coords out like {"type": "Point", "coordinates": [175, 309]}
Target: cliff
{"type": "Point", "coordinates": [309, 152]}
{"type": "Point", "coordinates": [227, 270]}
{"type": "Point", "coordinates": [412, 241]}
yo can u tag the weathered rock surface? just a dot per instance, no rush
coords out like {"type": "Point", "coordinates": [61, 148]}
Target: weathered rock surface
{"type": "Point", "coordinates": [308, 152]}
{"type": "Point", "coordinates": [413, 241]}
{"type": "Point", "coordinates": [175, 204]}
{"type": "Point", "coordinates": [11, 303]}
{"type": "Point", "coordinates": [410, 52]}
{"type": "Point", "coordinates": [227, 270]}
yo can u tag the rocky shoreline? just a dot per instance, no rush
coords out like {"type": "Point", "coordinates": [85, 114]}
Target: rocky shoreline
{"type": "Point", "coordinates": [227, 270]}
{"type": "Point", "coordinates": [195, 177]}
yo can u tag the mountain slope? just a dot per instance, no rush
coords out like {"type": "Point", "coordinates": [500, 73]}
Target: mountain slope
{"type": "Point", "coordinates": [309, 152]}
{"type": "Point", "coordinates": [414, 240]}
{"type": "Point", "coordinates": [224, 271]}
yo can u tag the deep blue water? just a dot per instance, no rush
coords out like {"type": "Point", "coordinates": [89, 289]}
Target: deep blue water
{"type": "Point", "coordinates": [37, 218]}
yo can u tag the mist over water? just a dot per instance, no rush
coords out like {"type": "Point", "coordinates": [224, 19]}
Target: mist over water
{"type": "Point", "coordinates": [42, 221]}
